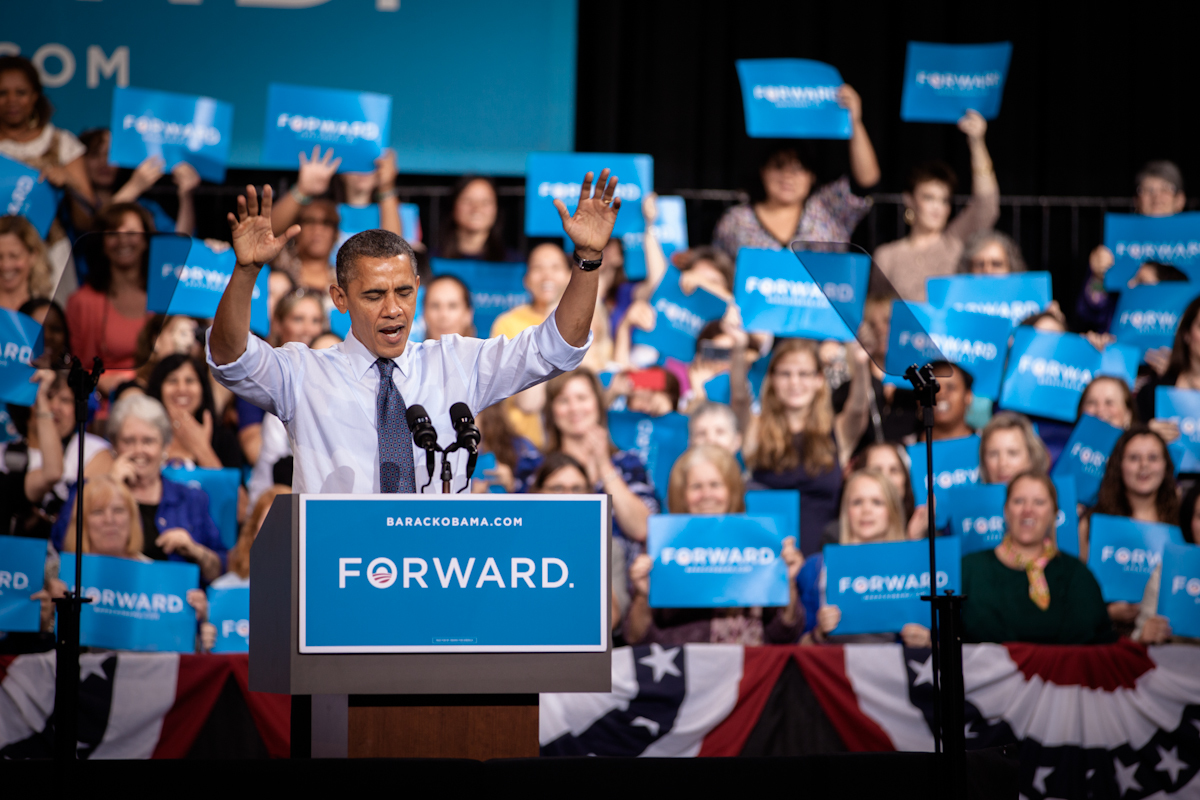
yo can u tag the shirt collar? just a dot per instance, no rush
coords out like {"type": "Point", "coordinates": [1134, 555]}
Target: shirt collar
{"type": "Point", "coordinates": [363, 361]}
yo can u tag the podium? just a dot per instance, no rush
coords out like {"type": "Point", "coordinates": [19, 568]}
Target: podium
{"type": "Point", "coordinates": [427, 625]}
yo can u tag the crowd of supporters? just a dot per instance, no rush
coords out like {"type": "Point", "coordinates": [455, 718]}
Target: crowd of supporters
{"type": "Point", "coordinates": [823, 422]}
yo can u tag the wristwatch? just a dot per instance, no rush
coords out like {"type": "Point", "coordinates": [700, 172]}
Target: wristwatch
{"type": "Point", "coordinates": [584, 264]}
{"type": "Point", "coordinates": [300, 197]}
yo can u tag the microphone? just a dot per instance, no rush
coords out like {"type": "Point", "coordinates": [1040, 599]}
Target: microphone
{"type": "Point", "coordinates": [424, 436]}
{"type": "Point", "coordinates": [468, 434]}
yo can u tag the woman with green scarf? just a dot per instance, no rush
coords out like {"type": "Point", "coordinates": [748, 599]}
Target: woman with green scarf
{"type": "Point", "coordinates": [1025, 590]}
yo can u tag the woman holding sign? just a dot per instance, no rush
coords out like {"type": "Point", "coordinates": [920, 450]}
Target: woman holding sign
{"type": "Point", "coordinates": [871, 512]}
{"type": "Point", "coordinates": [707, 480]}
{"type": "Point", "coordinates": [24, 269]}
{"type": "Point", "coordinates": [1025, 590]}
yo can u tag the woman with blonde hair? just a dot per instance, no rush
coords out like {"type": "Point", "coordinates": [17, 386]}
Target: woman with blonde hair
{"type": "Point", "coordinates": [871, 511]}
{"type": "Point", "coordinates": [797, 442]}
{"type": "Point", "coordinates": [24, 268]}
{"type": "Point", "coordinates": [1008, 446]}
{"type": "Point", "coordinates": [707, 480]}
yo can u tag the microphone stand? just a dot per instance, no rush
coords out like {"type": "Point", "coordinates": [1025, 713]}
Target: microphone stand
{"type": "Point", "coordinates": [447, 468]}
{"type": "Point", "coordinates": [69, 608]}
{"type": "Point", "coordinates": [945, 615]}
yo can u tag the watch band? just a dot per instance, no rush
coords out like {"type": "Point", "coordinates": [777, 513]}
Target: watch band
{"type": "Point", "coordinates": [299, 196]}
{"type": "Point", "coordinates": [584, 264]}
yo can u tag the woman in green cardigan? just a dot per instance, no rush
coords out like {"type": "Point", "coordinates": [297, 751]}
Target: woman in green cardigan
{"type": "Point", "coordinates": [1025, 590]}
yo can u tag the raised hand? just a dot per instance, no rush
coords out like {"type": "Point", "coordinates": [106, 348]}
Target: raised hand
{"type": "Point", "coordinates": [186, 178]}
{"type": "Point", "coordinates": [849, 99]}
{"type": "Point", "coordinates": [385, 170]}
{"type": "Point", "coordinates": [591, 226]}
{"type": "Point", "coordinates": [254, 243]}
{"type": "Point", "coordinates": [147, 173]}
{"type": "Point", "coordinates": [973, 124]}
{"type": "Point", "coordinates": [316, 174]}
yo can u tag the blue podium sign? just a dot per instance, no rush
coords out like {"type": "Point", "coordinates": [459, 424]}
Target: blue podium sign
{"type": "Point", "coordinates": [135, 606]}
{"type": "Point", "coordinates": [1135, 239]}
{"type": "Point", "coordinates": [778, 295]}
{"type": "Point", "coordinates": [878, 587]}
{"type": "Point", "coordinates": [679, 319]}
{"type": "Point", "coordinates": [175, 127]}
{"type": "Point", "coordinates": [188, 277]}
{"type": "Point", "coordinates": [357, 125]}
{"type": "Point", "coordinates": [1123, 552]}
{"type": "Point", "coordinates": [229, 611]}
{"type": "Point", "coordinates": [495, 287]}
{"type": "Point", "coordinates": [1147, 316]}
{"type": "Point", "coordinates": [22, 561]}
{"type": "Point", "coordinates": [1047, 373]}
{"type": "Point", "coordinates": [792, 98]}
{"type": "Point", "coordinates": [556, 176]}
{"type": "Point", "coordinates": [1179, 592]}
{"type": "Point", "coordinates": [975, 342]}
{"type": "Point", "coordinates": [23, 193]}
{"type": "Point", "coordinates": [943, 81]}
{"type": "Point", "coordinates": [470, 574]}
{"type": "Point", "coordinates": [1014, 297]}
{"type": "Point", "coordinates": [727, 561]}
{"type": "Point", "coordinates": [1085, 456]}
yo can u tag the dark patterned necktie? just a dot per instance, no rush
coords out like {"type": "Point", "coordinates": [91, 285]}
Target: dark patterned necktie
{"type": "Point", "coordinates": [396, 469]}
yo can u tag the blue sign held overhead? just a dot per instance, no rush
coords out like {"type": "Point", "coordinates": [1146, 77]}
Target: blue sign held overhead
{"type": "Point", "coordinates": [1123, 552]}
{"type": "Point", "coordinates": [782, 504]}
{"type": "Point", "coordinates": [811, 298]}
{"type": "Point", "coordinates": [221, 486]}
{"type": "Point", "coordinates": [175, 127]}
{"type": "Point", "coordinates": [670, 229]}
{"type": "Point", "coordinates": [1147, 316]}
{"type": "Point", "coordinates": [1085, 456]}
{"type": "Point", "coordinates": [658, 441]}
{"type": "Point", "coordinates": [955, 464]}
{"type": "Point", "coordinates": [20, 343]}
{"type": "Point", "coordinates": [135, 606]}
{"type": "Point", "coordinates": [1014, 297]}
{"type": "Point", "coordinates": [495, 287]}
{"type": "Point", "coordinates": [679, 319]}
{"type": "Point", "coordinates": [22, 565]}
{"type": "Point", "coordinates": [357, 125]}
{"type": "Point", "coordinates": [1047, 373]}
{"type": "Point", "coordinates": [975, 342]}
{"type": "Point", "coordinates": [23, 193]}
{"type": "Point", "coordinates": [944, 81]}
{"type": "Point", "coordinates": [728, 561]}
{"type": "Point", "coordinates": [557, 176]}
{"type": "Point", "coordinates": [1181, 406]}
{"type": "Point", "coordinates": [229, 611]}
{"type": "Point", "coordinates": [356, 219]}
{"type": "Point", "coordinates": [472, 573]}
{"type": "Point", "coordinates": [1179, 591]}
{"type": "Point", "coordinates": [188, 277]}
{"type": "Point", "coordinates": [878, 587]}
{"type": "Point", "coordinates": [1120, 361]}
{"type": "Point", "coordinates": [792, 98]}
{"type": "Point", "coordinates": [1135, 239]}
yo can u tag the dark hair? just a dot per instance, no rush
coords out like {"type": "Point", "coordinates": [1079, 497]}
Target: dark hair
{"type": "Point", "coordinates": [30, 307]}
{"type": "Point", "coordinates": [1181, 354]}
{"type": "Point", "coordinates": [91, 139]}
{"type": "Point", "coordinates": [932, 171]}
{"type": "Point", "coordinates": [1187, 510]}
{"type": "Point", "coordinates": [453, 279]}
{"type": "Point", "coordinates": [941, 366]}
{"type": "Point", "coordinates": [109, 219]}
{"type": "Point", "coordinates": [41, 107]}
{"type": "Point", "coordinates": [174, 362]}
{"type": "Point", "coordinates": [493, 248]}
{"type": "Point", "coordinates": [1166, 170]}
{"type": "Point", "coordinates": [552, 463]}
{"type": "Point", "coordinates": [1112, 496]}
{"type": "Point", "coordinates": [1126, 393]}
{"type": "Point", "coordinates": [375, 243]}
{"type": "Point", "coordinates": [780, 153]}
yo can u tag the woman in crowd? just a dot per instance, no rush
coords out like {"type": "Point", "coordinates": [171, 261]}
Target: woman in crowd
{"type": "Point", "coordinates": [103, 177]}
{"type": "Point", "coordinates": [24, 270]}
{"type": "Point", "coordinates": [576, 423]}
{"type": "Point", "coordinates": [891, 460]}
{"type": "Point", "coordinates": [1008, 446]}
{"type": "Point", "coordinates": [934, 243]}
{"type": "Point", "coordinates": [516, 457]}
{"type": "Point", "coordinates": [715, 424]}
{"type": "Point", "coordinates": [238, 575]}
{"type": "Point", "coordinates": [174, 517]}
{"type": "Point", "coordinates": [28, 136]}
{"type": "Point", "coordinates": [797, 442]}
{"type": "Point", "coordinates": [1139, 483]}
{"type": "Point", "coordinates": [870, 512]}
{"type": "Point", "coordinates": [1183, 365]}
{"type": "Point", "coordinates": [181, 383]}
{"type": "Point", "coordinates": [1150, 627]}
{"type": "Point", "coordinates": [785, 208]}
{"type": "Point", "coordinates": [56, 336]}
{"type": "Point", "coordinates": [708, 480]}
{"type": "Point", "coordinates": [112, 527]}
{"type": "Point", "coordinates": [447, 308]}
{"type": "Point", "coordinates": [307, 256]}
{"type": "Point", "coordinates": [991, 253]}
{"type": "Point", "coordinates": [1025, 589]}
{"type": "Point", "coordinates": [299, 317]}
{"type": "Point", "coordinates": [53, 466]}
{"type": "Point", "coordinates": [1109, 399]}
{"type": "Point", "coordinates": [473, 228]}
{"type": "Point", "coordinates": [108, 312]}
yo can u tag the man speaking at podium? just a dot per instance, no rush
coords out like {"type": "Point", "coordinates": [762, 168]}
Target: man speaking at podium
{"type": "Point", "coordinates": [344, 408]}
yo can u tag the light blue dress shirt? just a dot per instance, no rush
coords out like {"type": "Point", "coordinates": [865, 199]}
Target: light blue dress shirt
{"type": "Point", "coordinates": [326, 398]}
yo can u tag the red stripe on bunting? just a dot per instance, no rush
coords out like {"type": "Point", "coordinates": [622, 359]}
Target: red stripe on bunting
{"type": "Point", "coordinates": [761, 667]}
{"type": "Point", "coordinates": [272, 713]}
{"type": "Point", "coordinates": [197, 687]}
{"type": "Point", "coordinates": [1107, 667]}
{"type": "Point", "coordinates": [824, 667]}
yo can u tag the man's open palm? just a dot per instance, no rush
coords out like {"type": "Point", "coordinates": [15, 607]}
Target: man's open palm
{"type": "Point", "coordinates": [254, 243]}
{"type": "Point", "coordinates": [591, 226]}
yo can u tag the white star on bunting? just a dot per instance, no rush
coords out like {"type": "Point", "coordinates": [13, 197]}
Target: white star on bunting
{"type": "Point", "coordinates": [648, 724]}
{"type": "Point", "coordinates": [661, 661]}
{"type": "Point", "coordinates": [924, 671]}
{"type": "Point", "coordinates": [1125, 776]}
{"type": "Point", "coordinates": [1039, 778]}
{"type": "Point", "coordinates": [1170, 763]}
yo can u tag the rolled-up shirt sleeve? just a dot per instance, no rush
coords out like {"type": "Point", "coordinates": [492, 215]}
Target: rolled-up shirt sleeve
{"type": "Point", "coordinates": [503, 367]}
{"type": "Point", "coordinates": [263, 375]}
